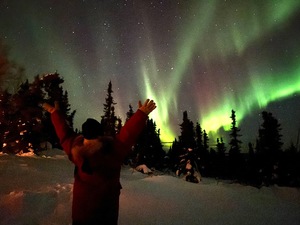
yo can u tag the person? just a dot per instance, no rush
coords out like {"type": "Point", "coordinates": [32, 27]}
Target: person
{"type": "Point", "coordinates": [98, 161]}
{"type": "Point", "coordinates": [189, 171]}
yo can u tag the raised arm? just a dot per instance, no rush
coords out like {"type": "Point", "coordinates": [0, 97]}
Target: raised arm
{"type": "Point", "coordinates": [135, 125]}
{"type": "Point", "coordinates": [63, 131]}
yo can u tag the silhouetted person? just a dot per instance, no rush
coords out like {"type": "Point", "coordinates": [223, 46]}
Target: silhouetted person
{"type": "Point", "coordinates": [98, 161]}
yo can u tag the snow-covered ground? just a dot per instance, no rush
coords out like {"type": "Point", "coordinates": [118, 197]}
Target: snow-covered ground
{"type": "Point", "coordinates": [37, 191]}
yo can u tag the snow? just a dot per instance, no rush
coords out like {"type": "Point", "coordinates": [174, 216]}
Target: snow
{"type": "Point", "coordinates": [37, 190]}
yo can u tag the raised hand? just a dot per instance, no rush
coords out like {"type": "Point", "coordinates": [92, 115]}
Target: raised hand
{"type": "Point", "coordinates": [147, 107]}
{"type": "Point", "coordinates": [49, 108]}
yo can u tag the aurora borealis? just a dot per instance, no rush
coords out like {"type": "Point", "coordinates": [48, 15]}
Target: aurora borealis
{"type": "Point", "coordinates": [204, 57]}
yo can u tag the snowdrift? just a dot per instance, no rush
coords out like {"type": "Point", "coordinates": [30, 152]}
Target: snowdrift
{"type": "Point", "coordinates": [37, 190]}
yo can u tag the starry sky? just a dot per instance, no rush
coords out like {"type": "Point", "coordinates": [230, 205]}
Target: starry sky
{"type": "Point", "coordinates": [203, 57]}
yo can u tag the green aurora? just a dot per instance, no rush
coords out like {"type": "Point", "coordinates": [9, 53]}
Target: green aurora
{"type": "Point", "coordinates": [204, 57]}
{"type": "Point", "coordinates": [262, 88]}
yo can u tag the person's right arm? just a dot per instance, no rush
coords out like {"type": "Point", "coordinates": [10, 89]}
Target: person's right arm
{"type": "Point", "coordinates": [63, 131]}
{"type": "Point", "coordinates": [134, 126]}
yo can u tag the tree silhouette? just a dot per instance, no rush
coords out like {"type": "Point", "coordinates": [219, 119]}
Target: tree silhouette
{"type": "Point", "coordinates": [174, 153]}
{"type": "Point", "coordinates": [51, 87]}
{"type": "Point", "coordinates": [28, 125]}
{"type": "Point", "coordinates": [186, 140]}
{"type": "Point", "coordinates": [220, 163]}
{"type": "Point", "coordinates": [205, 142]}
{"type": "Point", "coordinates": [269, 135]}
{"type": "Point", "coordinates": [268, 145]}
{"type": "Point", "coordinates": [23, 118]}
{"type": "Point", "coordinates": [205, 158]}
{"type": "Point", "coordinates": [289, 167]}
{"type": "Point", "coordinates": [130, 113]}
{"type": "Point", "coordinates": [235, 158]}
{"type": "Point", "coordinates": [234, 143]}
{"type": "Point", "coordinates": [199, 140]}
{"type": "Point", "coordinates": [148, 149]}
{"type": "Point", "coordinates": [187, 135]}
{"type": "Point", "coordinates": [221, 149]}
{"type": "Point", "coordinates": [109, 120]}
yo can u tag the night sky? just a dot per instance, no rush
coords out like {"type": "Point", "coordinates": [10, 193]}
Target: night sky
{"type": "Point", "coordinates": [203, 57]}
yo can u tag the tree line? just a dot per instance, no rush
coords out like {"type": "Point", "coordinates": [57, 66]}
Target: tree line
{"type": "Point", "coordinates": [24, 126]}
{"type": "Point", "coordinates": [265, 162]}
{"type": "Point", "coordinates": [23, 123]}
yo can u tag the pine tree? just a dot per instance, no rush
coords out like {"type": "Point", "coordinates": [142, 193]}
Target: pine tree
{"type": "Point", "coordinates": [24, 127]}
{"type": "Point", "coordinates": [234, 143]}
{"type": "Point", "coordinates": [204, 157]}
{"type": "Point", "coordinates": [290, 167]}
{"type": "Point", "coordinates": [220, 159]}
{"type": "Point", "coordinates": [119, 124]}
{"type": "Point", "coordinates": [130, 113]}
{"type": "Point", "coordinates": [24, 118]}
{"type": "Point", "coordinates": [252, 170]}
{"type": "Point", "coordinates": [148, 149]}
{"type": "Point", "coordinates": [66, 108]}
{"type": "Point", "coordinates": [109, 120]}
{"type": "Point", "coordinates": [51, 87]}
{"type": "Point", "coordinates": [269, 135]}
{"type": "Point", "coordinates": [221, 149]}
{"type": "Point", "coordinates": [186, 138]}
{"type": "Point", "coordinates": [235, 157]}
{"type": "Point", "coordinates": [199, 142]}
{"type": "Point", "coordinates": [30, 125]}
{"type": "Point", "coordinates": [205, 143]}
{"type": "Point", "coordinates": [269, 144]}
{"type": "Point", "coordinates": [174, 153]}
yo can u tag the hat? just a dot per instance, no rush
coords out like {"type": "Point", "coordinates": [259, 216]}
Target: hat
{"type": "Point", "coordinates": [91, 129]}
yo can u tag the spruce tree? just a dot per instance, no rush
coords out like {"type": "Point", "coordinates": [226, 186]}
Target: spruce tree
{"type": "Point", "coordinates": [109, 120]}
{"type": "Point", "coordinates": [186, 138]}
{"type": "Point", "coordinates": [250, 175]}
{"type": "Point", "coordinates": [130, 113]}
{"type": "Point", "coordinates": [149, 149]}
{"type": "Point", "coordinates": [51, 87]}
{"type": "Point", "coordinates": [221, 149]}
{"type": "Point", "coordinates": [234, 143]}
{"type": "Point", "coordinates": [204, 158]}
{"type": "Point", "coordinates": [221, 159]}
{"type": "Point", "coordinates": [199, 142]}
{"type": "Point", "coordinates": [66, 107]}
{"type": "Point", "coordinates": [235, 157]}
{"type": "Point", "coordinates": [205, 141]}
{"type": "Point", "coordinates": [269, 135]}
{"type": "Point", "coordinates": [269, 145]}
{"type": "Point", "coordinates": [29, 124]}
{"type": "Point", "coordinates": [174, 153]}
{"type": "Point", "coordinates": [290, 167]}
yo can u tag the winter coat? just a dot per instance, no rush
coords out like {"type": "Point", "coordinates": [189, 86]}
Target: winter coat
{"type": "Point", "coordinates": [97, 169]}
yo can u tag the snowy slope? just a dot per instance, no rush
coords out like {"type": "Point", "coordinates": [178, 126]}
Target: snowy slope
{"type": "Point", "coordinates": [37, 190]}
